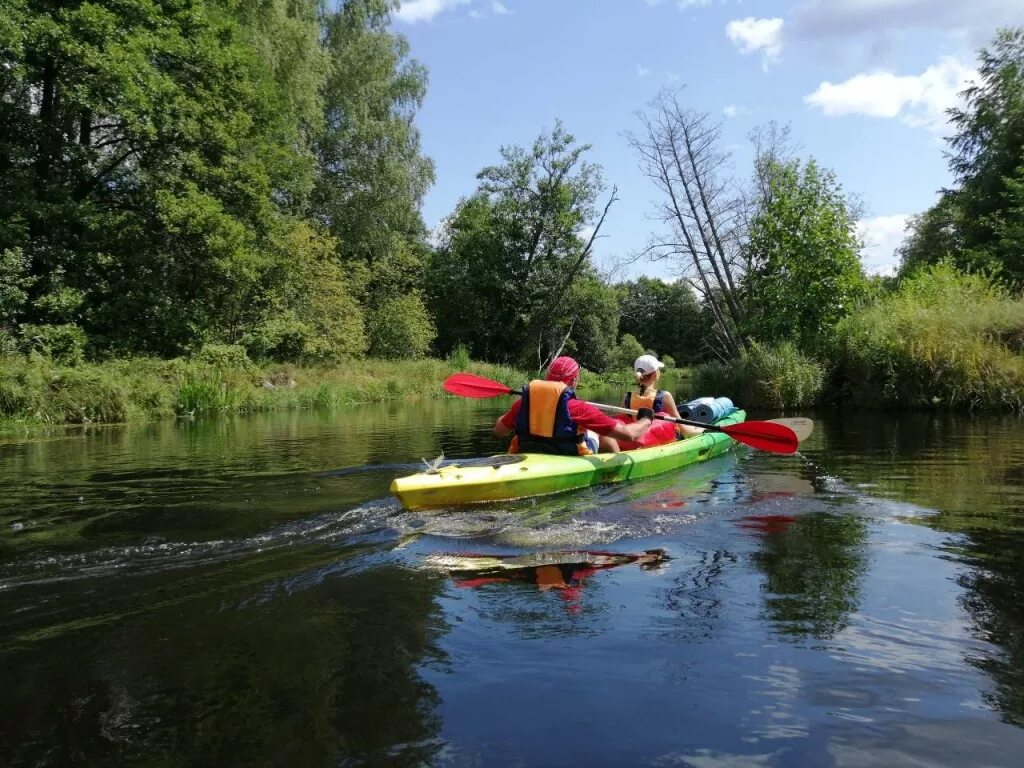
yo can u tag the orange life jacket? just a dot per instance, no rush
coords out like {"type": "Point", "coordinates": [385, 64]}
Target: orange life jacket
{"type": "Point", "coordinates": [544, 424]}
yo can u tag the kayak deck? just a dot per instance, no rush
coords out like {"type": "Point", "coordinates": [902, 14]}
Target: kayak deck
{"type": "Point", "coordinates": [504, 478]}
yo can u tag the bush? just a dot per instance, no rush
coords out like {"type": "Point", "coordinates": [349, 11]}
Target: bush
{"type": "Point", "coordinates": [669, 361]}
{"type": "Point", "coordinates": [400, 328]}
{"type": "Point", "coordinates": [626, 353]}
{"type": "Point", "coordinates": [62, 343]}
{"type": "Point", "coordinates": [943, 339]}
{"type": "Point", "coordinates": [459, 357]}
{"type": "Point", "coordinates": [776, 377]}
{"type": "Point", "coordinates": [224, 356]}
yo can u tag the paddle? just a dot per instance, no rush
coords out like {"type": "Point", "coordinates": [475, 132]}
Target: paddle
{"type": "Point", "coordinates": [763, 435]}
{"type": "Point", "coordinates": [801, 426]}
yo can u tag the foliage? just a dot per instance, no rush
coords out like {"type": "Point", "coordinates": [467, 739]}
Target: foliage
{"type": "Point", "coordinates": [763, 376]}
{"type": "Point", "coordinates": [400, 327]}
{"type": "Point", "coordinates": [178, 174]}
{"type": "Point", "coordinates": [311, 312]}
{"type": "Point", "coordinates": [592, 314]}
{"type": "Point", "coordinates": [979, 226]}
{"type": "Point", "coordinates": [36, 389]}
{"type": "Point", "coordinates": [804, 273]}
{"type": "Point", "coordinates": [944, 339]}
{"type": "Point", "coordinates": [503, 277]}
{"type": "Point", "coordinates": [372, 175]}
{"type": "Point", "coordinates": [665, 317]}
{"type": "Point", "coordinates": [14, 285]}
{"type": "Point", "coordinates": [625, 354]}
{"type": "Point", "coordinates": [63, 343]}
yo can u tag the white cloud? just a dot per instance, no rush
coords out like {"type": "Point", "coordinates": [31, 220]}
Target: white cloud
{"type": "Point", "coordinates": [499, 8]}
{"type": "Point", "coordinates": [684, 4]}
{"type": "Point", "coordinates": [920, 100]}
{"type": "Point", "coordinates": [753, 35]}
{"type": "Point", "coordinates": [734, 110]}
{"type": "Point", "coordinates": [882, 235]}
{"type": "Point", "coordinates": [475, 14]}
{"type": "Point", "coordinates": [414, 11]}
{"type": "Point", "coordinates": [852, 17]}
{"type": "Point", "coordinates": [642, 71]}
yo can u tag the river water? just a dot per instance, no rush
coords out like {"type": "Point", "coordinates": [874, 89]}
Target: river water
{"type": "Point", "coordinates": [245, 592]}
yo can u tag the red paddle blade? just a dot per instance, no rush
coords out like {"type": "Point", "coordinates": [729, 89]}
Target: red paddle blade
{"type": "Point", "coordinates": [763, 435]}
{"type": "Point", "coordinates": [468, 385]}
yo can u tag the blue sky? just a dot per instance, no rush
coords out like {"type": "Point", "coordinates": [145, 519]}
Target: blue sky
{"type": "Point", "coordinates": [862, 83]}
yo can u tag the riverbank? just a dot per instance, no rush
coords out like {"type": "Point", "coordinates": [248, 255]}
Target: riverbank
{"type": "Point", "coordinates": [37, 390]}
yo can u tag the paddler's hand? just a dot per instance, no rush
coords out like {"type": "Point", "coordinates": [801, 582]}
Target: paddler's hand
{"type": "Point", "coordinates": [645, 413]}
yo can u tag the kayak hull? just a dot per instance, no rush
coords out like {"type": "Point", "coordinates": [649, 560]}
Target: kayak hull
{"type": "Point", "coordinates": [536, 474]}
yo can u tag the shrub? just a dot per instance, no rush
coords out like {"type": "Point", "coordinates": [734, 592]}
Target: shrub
{"type": "Point", "coordinates": [225, 357]}
{"type": "Point", "coordinates": [400, 328]}
{"type": "Point", "coordinates": [62, 343]}
{"type": "Point", "coordinates": [764, 376]}
{"type": "Point", "coordinates": [669, 361]}
{"type": "Point", "coordinates": [943, 339]}
{"type": "Point", "coordinates": [459, 357]}
{"type": "Point", "coordinates": [626, 353]}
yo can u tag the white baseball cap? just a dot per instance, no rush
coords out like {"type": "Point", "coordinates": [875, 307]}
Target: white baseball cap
{"type": "Point", "coordinates": [647, 364]}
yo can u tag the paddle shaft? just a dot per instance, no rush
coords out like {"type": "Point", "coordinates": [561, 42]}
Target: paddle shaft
{"type": "Point", "coordinates": [660, 417]}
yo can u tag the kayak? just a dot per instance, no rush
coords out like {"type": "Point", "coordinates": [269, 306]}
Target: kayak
{"type": "Point", "coordinates": [517, 476]}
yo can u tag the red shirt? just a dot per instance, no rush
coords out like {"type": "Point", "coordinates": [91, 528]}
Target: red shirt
{"type": "Point", "coordinates": [586, 417]}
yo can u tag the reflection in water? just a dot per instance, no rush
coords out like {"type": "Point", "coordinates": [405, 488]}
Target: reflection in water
{"type": "Point", "coordinates": [257, 674]}
{"type": "Point", "coordinates": [813, 565]}
{"type": "Point", "coordinates": [563, 571]}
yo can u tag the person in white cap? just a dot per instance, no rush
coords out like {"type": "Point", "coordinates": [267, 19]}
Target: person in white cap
{"type": "Point", "coordinates": [647, 370]}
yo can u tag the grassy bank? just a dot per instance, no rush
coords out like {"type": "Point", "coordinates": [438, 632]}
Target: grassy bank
{"type": "Point", "coordinates": [940, 340]}
{"type": "Point", "coordinates": [38, 390]}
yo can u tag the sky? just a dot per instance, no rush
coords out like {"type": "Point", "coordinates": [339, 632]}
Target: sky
{"type": "Point", "coordinates": [863, 85]}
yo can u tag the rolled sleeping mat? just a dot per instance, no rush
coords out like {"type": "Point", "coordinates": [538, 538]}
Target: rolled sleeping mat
{"type": "Point", "coordinates": [688, 410]}
{"type": "Point", "coordinates": [710, 412]}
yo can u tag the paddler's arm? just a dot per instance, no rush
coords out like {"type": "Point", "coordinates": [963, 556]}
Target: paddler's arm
{"type": "Point", "coordinates": [634, 430]}
{"type": "Point", "coordinates": [669, 404]}
{"type": "Point", "coordinates": [500, 430]}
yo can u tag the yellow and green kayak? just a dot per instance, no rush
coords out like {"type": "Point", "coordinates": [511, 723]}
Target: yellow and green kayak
{"type": "Point", "coordinates": [505, 477]}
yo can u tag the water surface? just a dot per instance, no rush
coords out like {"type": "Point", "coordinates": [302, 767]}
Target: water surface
{"type": "Point", "coordinates": [245, 592]}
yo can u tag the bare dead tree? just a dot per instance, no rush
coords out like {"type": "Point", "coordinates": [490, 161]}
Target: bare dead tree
{"type": "Point", "coordinates": [701, 207]}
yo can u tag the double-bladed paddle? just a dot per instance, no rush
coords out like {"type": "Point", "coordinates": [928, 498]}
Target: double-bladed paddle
{"type": "Point", "coordinates": [763, 435]}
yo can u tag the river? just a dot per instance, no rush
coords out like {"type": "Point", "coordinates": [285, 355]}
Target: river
{"type": "Point", "coordinates": [245, 592]}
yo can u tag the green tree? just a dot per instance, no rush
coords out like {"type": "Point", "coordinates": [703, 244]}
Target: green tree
{"type": "Point", "coordinates": [147, 152]}
{"type": "Point", "coordinates": [372, 176]}
{"type": "Point", "coordinates": [804, 270]}
{"type": "Point", "coordinates": [980, 224]}
{"type": "Point", "coordinates": [502, 277]}
{"type": "Point", "coordinates": [665, 317]}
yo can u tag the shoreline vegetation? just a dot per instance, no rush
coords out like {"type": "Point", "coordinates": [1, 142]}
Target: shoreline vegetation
{"type": "Point", "coordinates": [36, 391]}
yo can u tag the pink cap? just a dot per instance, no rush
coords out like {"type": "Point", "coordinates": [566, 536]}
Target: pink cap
{"type": "Point", "coordinates": [563, 369]}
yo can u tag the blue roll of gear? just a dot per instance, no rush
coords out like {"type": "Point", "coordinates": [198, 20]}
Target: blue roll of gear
{"type": "Point", "coordinates": [707, 409]}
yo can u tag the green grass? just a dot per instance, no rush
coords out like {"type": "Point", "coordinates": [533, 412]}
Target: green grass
{"type": "Point", "coordinates": [775, 377]}
{"type": "Point", "coordinates": [37, 390]}
{"type": "Point", "coordinates": [942, 340]}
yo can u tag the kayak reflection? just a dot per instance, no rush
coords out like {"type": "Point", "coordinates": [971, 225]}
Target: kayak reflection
{"type": "Point", "coordinates": [564, 571]}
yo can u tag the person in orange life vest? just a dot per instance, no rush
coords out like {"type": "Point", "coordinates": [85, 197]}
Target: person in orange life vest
{"type": "Point", "coordinates": [647, 369]}
{"type": "Point", "coordinates": [549, 419]}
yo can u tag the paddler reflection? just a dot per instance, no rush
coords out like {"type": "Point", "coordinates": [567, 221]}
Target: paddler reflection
{"type": "Point", "coordinates": [563, 571]}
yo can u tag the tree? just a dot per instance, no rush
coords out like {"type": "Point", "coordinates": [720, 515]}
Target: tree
{"type": "Point", "coordinates": [980, 225]}
{"type": "Point", "coordinates": [665, 317]}
{"type": "Point", "coordinates": [805, 274]}
{"type": "Point", "coordinates": [679, 151]}
{"type": "Point", "coordinates": [510, 255]}
{"type": "Point", "coordinates": [372, 177]}
{"type": "Point", "coordinates": [147, 153]}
